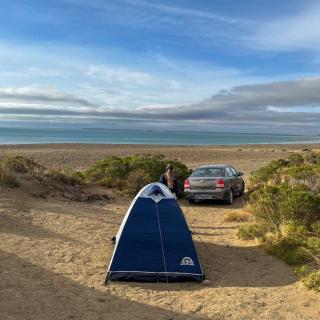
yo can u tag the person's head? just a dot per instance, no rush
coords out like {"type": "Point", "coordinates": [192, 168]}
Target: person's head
{"type": "Point", "coordinates": [169, 167]}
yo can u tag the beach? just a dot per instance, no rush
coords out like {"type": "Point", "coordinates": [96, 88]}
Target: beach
{"type": "Point", "coordinates": [54, 252]}
{"type": "Point", "coordinates": [80, 156]}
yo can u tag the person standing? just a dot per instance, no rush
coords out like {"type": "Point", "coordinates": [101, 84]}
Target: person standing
{"type": "Point", "coordinates": [170, 180]}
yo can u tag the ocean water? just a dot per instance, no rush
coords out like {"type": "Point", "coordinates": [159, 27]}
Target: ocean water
{"type": "Point", "coordinates": [110, 136]}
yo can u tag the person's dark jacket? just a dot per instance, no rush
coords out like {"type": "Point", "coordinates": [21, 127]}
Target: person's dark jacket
{"type": "Point", "coordinates": [175, 189]}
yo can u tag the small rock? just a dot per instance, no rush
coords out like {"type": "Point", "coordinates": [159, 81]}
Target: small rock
{"type": "Point", "coordinates": [198, 308]}
{"type": "Point", "coordinates": [206, 282]}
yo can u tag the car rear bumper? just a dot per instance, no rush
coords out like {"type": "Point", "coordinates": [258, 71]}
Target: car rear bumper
{"type": "Point", "coordinates": [218, 194]}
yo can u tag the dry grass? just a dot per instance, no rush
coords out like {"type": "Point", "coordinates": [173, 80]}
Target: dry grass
{"type": "Point", "coordinates": [237, 216]}
{"type": "Point", "coordinates": [7, 178]}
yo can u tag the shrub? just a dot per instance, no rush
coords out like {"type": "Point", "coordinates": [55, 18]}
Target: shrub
{"type": "Point", "coordinates": [295, 159]}
{"type": "Point", "coordinates": [275, 205]}
{"type": "Point", "coordinates": [264, 174]}
{"type": "Point", "coordinates": [304, 175]}
{"type": "Point", "coordinates": [285, 209]}
{"type": "Point", "coordinates": [7, 178]}
{"type": "Point", "coordinates": [131, 173]}
{"type": "Point", "coordinates": [61, 177]}
{"type": "Point", "coordinates": [315, 228]}
{"type": "Point", "coordinates": [299, 205]}
{"type": "Point", "coordinates": [312, 158]}
{"type": "Point", "coordinates": [135, 181]}
{"type": "Point", "coordinates": [312, 280]}
{"type": "Point", "coordinates": [19, 164]}
{"type": "Point", "coordinates": [287, 250]}
{"type": "Point", "coordinates": [113, 183]}
{"type": "Point", "coordinates": [111, 167]}
{"type": "Point", "coordinates": [249, 232]}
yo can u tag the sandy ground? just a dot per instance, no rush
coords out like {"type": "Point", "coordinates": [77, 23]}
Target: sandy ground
{"type": "Point", "coordinates": [79, 156]}
{"type": "Point", "coordinates": [54, 254]}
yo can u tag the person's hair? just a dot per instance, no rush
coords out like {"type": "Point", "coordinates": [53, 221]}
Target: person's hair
{"type": "Point", "coordinates": [169, 166]}
{"type": "Point", "coordinates": [169, 177]}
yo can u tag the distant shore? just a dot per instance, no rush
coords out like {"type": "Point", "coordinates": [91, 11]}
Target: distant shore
{"type": "Point", "coordinates": [79, 156]}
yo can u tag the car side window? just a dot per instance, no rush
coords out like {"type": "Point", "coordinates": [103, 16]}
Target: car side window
{"type": "Point", "coordinates": [229, 172]}
{"type": "Point", "coordinates": [235, 173]}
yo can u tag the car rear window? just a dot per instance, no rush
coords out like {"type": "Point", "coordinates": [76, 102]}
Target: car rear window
{"type": "Point", "coordinates": [208, 172]}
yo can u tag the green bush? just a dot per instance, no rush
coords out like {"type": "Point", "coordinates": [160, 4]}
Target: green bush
{"type": "Point", "coordinates": [295, 159]}
{"type": "Point", "coordinates": [315, 228]}
{"type": "Point", "coordinates": [131, 173]}
{"type": "Point", "coordinates": [312, 280]}
{"type": "Point", "coordinates": [285, 209]}
{"type": "Point", "coordinates": [275, 205]}
{"type": "Point", "coordinates": [264, 205]}
{"type": "Point", "coordinates": [287, 250]}
{"type": "Point", "coordinates": [300, 172]}
{"type": "Point", "coordinates": [299, 205]}
{"type": "Point", "coordinates": [264, 174]}
{"type": "Point", "coordinates": [113, 183]}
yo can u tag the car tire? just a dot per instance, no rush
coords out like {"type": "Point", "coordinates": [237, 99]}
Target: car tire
{"type": "Point", "coordinates": [229, 199]}
{"type": "Point", "coordinates": [191, 200]}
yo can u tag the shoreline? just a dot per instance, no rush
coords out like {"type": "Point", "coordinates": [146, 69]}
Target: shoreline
{"type": "Point", "coordinates": [81, 144]}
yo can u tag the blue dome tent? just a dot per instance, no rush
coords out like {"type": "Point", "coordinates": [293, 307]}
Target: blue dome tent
{"type": "Point", "coordinates": [154, 243]}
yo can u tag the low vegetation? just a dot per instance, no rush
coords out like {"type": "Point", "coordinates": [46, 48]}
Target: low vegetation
{"type": "Point", "coordinates": [127, 174]}
{"type": "Point", "coordinates": [285, 207]}
{"type": "Point", "coordinates": [13, 169]}
{"type": "Point", "coordinates": [237, 216]}
{"type": "Point", "coordinates": [20, 172]}
{"type": "Point", "coordinates": [130, 174]}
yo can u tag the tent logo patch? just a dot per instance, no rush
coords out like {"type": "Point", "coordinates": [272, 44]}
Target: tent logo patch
{"type": "Point", "coordinates": [187, 261]}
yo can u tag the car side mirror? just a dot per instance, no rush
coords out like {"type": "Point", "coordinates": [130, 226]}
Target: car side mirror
{"type": "Point", "coordinates": [240, 174]}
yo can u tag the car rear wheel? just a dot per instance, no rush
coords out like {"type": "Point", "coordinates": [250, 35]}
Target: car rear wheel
{"type": "Point", "coordinates": [229, 199]}
{"type": "Point", "coordinates": [191, 200]}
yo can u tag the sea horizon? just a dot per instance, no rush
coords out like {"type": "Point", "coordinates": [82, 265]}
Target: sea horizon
{"type": "Point", "coordinates": [147, 136]}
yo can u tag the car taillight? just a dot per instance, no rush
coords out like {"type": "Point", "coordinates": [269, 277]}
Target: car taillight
{"type": "Point", "coordinates": [187, 184]}
{"type": "Point", "coordinates": [220, 183]}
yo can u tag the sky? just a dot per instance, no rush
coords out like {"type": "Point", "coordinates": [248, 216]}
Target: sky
{"type": "Point", "coordinates": [206, 65]}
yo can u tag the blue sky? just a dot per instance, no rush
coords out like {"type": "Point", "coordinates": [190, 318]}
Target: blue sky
{"type": "Point", "coordinates": [247, 66]}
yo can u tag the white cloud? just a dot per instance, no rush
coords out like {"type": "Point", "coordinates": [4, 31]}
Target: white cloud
{"type": "Point", "coordinates": [299, 31]}
{"type": "Point", "coordinates": [183, 11]}
{"type": "Point", "coordinates": [283, 105]}
{"type": "Point", "coordinates": [120, 76]}
{"type": "Point", "coordinates": [203, 27]}
{"type": "Point", "coordinates": [42, 95]}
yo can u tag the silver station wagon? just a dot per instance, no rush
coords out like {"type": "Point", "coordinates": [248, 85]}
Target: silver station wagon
{"type": "Point", "coordinates": [221, 182]}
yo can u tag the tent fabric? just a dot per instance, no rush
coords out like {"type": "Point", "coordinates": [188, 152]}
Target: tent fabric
{"type": "Point", "coordinates": [154, 243]}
